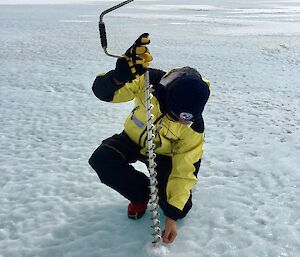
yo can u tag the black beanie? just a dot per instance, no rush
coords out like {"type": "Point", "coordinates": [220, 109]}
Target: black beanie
{"type": "Point", "coordinates": [186, 96]}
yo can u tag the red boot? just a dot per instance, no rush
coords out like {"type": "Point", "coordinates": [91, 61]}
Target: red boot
{"type": "Point", "coordinates": [137, 210]}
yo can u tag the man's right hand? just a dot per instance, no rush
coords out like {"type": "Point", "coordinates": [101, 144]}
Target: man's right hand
{"type": "Point", "coordinates": [170, 232]}
{"type": "Point", "coordinates": [135, 61]}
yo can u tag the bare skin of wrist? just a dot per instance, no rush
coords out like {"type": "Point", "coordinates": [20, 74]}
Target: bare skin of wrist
{"type": "Point", "coordinates": [170, 232]}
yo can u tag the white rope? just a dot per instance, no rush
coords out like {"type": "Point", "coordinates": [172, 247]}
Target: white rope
{"type": "Point", "coordinates": [152, 164]}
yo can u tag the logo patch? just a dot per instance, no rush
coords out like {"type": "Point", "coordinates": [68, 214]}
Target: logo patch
{"type": "Point", "coordinates": [186, 116]}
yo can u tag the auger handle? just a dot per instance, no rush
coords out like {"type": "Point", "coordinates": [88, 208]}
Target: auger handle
{"type": "Point", "coordinates": [102, 29]}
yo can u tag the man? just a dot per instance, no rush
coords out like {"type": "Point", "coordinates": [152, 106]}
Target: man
{"type": "Point", "coordinates": [178, 103]}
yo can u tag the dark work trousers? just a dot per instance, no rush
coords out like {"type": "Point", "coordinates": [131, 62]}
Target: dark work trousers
{"type": "Point", "coordinates": [112, 162]}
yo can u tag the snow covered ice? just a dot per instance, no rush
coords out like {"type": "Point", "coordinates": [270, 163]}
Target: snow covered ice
{"type": "Point", "coordinates": [247, 200]}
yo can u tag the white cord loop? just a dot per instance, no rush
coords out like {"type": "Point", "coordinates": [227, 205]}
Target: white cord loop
{"type": "Point", "coordinates": [152, 164]}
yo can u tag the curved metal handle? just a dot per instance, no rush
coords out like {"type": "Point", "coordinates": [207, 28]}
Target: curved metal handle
{"type": "Point", "coordinates": [102, 29]}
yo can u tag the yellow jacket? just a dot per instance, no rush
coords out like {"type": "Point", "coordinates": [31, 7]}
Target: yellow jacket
{"type": "Point", "coordinates": [184, 144]}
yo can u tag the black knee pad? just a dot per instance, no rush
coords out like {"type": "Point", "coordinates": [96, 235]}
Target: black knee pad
{"type": "Point", "coordinates": [95, 159]}
{"type": "Point", "coordinates": [98, 160]}
{"type": "Point", "coordinates": [102, 160]}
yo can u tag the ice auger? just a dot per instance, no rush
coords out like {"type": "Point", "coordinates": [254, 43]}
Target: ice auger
{"type": "Point", "coordinates": [150, 131]}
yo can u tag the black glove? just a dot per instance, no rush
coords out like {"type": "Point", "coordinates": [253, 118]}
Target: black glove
{"type": "Point", "coordinates": [135, 61]}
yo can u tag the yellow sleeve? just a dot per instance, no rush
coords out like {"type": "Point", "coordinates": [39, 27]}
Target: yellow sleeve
{"type": "Point", "coordinates": [129, 91]}
{"type": "Point", "coordinates": [183, 175]}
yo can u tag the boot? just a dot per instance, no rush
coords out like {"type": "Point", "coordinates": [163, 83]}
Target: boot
{"type": "Point", "coordinates": [137, 210]}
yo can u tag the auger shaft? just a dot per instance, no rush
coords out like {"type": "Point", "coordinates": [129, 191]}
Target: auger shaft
{"type": "Point", "coordinates": [152, 164]}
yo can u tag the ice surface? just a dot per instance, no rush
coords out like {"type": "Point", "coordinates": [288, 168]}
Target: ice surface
{"type": "Point", "coordinates": [247, 200]}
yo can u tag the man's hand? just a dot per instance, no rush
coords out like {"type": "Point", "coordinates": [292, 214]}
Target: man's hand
{"type": "Point", "coordinates": [170, 232]}
{"type": "Point", "coordinates": [135, 61]}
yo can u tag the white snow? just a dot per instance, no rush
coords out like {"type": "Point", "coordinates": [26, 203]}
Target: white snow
{"type": "Point", "coordinates": [247, 200]}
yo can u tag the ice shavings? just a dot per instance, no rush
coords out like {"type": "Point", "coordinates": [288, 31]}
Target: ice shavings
{"type": "Point", "coordinates": [156, 250]}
